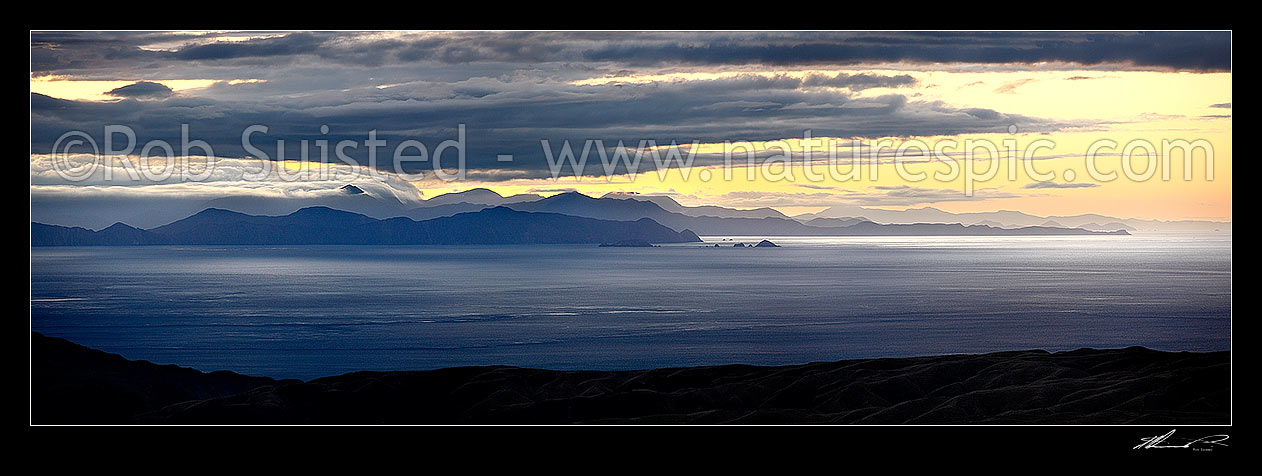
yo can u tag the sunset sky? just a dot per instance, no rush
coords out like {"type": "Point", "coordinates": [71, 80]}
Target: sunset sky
{"type": "Point", "coordinates": [512, 89]}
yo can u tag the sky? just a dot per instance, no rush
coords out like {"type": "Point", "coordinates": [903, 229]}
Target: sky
{"type": "Point", "coordinates": [786, 99]}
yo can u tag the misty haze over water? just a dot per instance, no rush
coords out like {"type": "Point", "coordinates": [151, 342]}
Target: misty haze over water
{"type": "Point", "coordinates": [311, 311]}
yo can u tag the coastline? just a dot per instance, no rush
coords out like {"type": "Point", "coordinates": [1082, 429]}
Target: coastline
{"type": "Point", "coordinates": [72, 384]}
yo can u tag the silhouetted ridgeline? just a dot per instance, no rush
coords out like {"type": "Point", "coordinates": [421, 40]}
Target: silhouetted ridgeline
{"type": "Point", "coordinates": [74, 384]}
{"type": "Point", "coordinates": [562, 218]}
{"type": "Point", "coordinates": [611, 208]}
{"type": "Point", "coordinates": [98, 212]}
{"type": "Point", "coordinates": [320, 225]}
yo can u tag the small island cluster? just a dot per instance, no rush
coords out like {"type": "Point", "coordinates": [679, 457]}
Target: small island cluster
{"type": "Point", "coordinates": [761, 244]}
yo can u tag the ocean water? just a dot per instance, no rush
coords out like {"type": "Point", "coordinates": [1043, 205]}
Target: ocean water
{"type": "Point", "coordinates": [312, 311]}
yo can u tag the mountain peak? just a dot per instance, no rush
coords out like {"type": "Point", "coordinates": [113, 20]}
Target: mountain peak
{"type": "Point", "coordinates": [479, 195]}
{"type": "Point", "coordinates": [351, 189]}
{"type": "Point", "coordinates": [119, 226]}
{"type": "Point", "coordinates": [212, 211]}
{"type": "Point", "coordinates": [323, 211]}
{"type": "Point", "coordinates": [570, 195]}
{"type": "Point", "coordinates": [479, 191]}
{"type": "Point", "coordinates": [664, 201]}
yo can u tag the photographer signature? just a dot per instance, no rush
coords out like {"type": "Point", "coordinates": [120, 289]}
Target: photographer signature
{"type": "Point", "coordinates": [1165, 441]}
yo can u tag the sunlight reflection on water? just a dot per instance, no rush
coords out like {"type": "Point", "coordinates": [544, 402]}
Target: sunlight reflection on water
{"type": "Point", "coordinates": [309, 311]}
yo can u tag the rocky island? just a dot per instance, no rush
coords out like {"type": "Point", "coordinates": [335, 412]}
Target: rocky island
{"type": "Point", "coordinates": [628, 244]}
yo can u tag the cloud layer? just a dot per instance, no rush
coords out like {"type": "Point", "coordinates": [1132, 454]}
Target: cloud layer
{"type": "Point", "coordinates": [509, 90]}
{"type": "Point", "coordinates": [1194, 51]}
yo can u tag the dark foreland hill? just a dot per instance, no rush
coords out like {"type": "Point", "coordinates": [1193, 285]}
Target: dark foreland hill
{"type": "Point", "coordinates": [74, 384]}
{"type": "Point", "coordinates": [325, 226]}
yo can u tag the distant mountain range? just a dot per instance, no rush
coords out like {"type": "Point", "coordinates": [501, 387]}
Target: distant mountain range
{"type": "Point", "coordinates": [479, 195]}
{"type": "Point", "coordinates": [320, 225]}
{"type": "Point", "coordinates": [670, 205]}
{"type": "Point", "coordinates": [563, 218]}
{"type": "Point", "coordinates": [704, 220]}
{"type": "Point", "coordinates": [1013, 219]}
{"type": "Point", "coordinates": [609, 208]}
{"type": "Point", "coordinates": [99, 212]}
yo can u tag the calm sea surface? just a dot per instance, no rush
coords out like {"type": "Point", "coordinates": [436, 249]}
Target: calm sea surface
{"type": "Point", "coordinates": [311, 311]}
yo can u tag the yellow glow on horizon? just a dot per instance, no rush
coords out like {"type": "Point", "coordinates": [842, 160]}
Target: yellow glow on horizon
{"type": "Point", "coordinates": [1126, 196]}
{"type": "Point", "coordinates": [1122, 106]}
{"type": "Point", "coordinates": [300, 165]}
{"type": "Point", "coordinates": [1086, 105]}
{"type": "Point", "coordinates": [95, 90]}
{"type": "Point", "coordinates": [1053, 94]}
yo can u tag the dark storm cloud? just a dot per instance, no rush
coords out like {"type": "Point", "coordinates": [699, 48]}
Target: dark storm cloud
{"type": "Point", "coordinates": [141, 89]}
{"type": "Point", "coordinates": [509, 118]}
{"type": "Point", "coordinates": [1178, 50]}
{"type": "Point", "coordinates": [1191, 51]}
{"type": "Point", "coordinates": [512, 89]}
{"type": "Point", "coordinates": [288, 45]}
{"type": "Point", "coordinates": [858, 81]}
